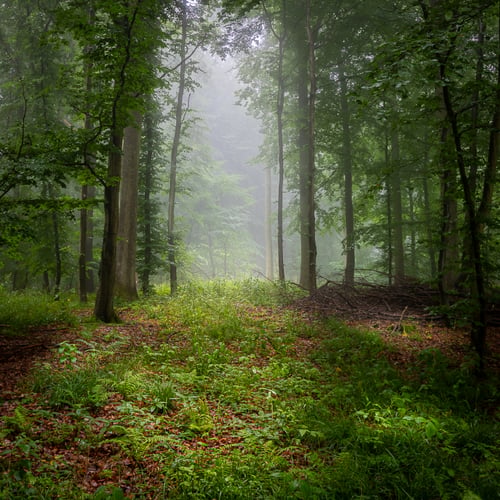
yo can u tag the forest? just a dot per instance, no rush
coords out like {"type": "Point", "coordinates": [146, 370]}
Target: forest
{"type": "Point", "coordinates": [249, 249]}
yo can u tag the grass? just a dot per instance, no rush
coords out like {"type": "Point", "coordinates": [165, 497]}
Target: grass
{"type": "Point", "coordinates": [23, 310]}
{"type": "Point", "coordinates": [234, 397]}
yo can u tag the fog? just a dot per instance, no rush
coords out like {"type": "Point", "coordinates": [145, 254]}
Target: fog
{"type": "Point", "coordinates": [228, 138]}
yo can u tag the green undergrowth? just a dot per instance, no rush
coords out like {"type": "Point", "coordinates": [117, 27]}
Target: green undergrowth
{"type": "Point", "coordinates": [24, 310]}
{"type": "Point", "coordinates": [237, 397]}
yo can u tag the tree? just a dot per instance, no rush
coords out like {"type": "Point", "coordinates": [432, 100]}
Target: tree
{"type": "Point", "coordinates": [126, 282]}
{"type": "Point", "coordinates": [305, 40]}
{"type": "Point", "coordinates": [174, 155]}
{"type": "Point", "coordinates": [118, 45]}
{"type": "Point", "coordinates": [151, 241]}
{"type": "Point", "coordinates": [439, 21]}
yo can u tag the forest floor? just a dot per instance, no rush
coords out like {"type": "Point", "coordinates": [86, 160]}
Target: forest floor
{"type": "Point", "coordinates": [404, 318]}
{"type": "Point", "coordinates": [407, 317]}
{"type": "Point", "coordinates": [394, 312]}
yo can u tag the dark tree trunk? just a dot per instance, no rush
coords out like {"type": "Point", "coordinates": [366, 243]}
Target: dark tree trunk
{"type": "Point", "coordinates": [104, 308]}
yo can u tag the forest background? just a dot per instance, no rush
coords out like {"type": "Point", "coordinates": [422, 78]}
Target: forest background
{"type": "Point", "coordinates": [160, 158]}
{"type": "Point", "coordinates": [379, 126]}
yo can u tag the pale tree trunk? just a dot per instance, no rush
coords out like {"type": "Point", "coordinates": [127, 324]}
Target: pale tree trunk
{"type": "Point", "coordinates": [413, 234]}
{"type": "Point", "coordinates": [148, 209]}
{"type": "Point", "coordinates": [388, 206]}
{"type": "Point", "coordinates": [268, 226]}
{"type": "Point", "coordinates": [349, 242]}
{"type": "Point", "coordinates": [126, 285]}
{"type": "Point", "coordinates": [172, 244]}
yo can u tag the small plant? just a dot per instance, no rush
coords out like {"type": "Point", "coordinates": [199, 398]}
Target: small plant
{"type": "Point", "coordinates": [163, 397]}
{"type": "Point", "coordinates": [197, 418]}
{"type": "Point", "coordinates": [19, 423]}
{"type": "Point", "coordinates": [76, 388]}
{"type": "Point", "coordinates": [67, 352]}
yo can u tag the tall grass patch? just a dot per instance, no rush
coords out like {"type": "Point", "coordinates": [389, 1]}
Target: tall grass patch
{"type": "Point", "coordinates": [20, 311]}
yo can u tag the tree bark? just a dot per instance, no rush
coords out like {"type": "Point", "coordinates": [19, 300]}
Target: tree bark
{"type": "Point", "coordinates": [104, 307]}
{"type": "Point", "coordinates": [307, 103]}
{"type": "Point", "coordinates": [126, 283]}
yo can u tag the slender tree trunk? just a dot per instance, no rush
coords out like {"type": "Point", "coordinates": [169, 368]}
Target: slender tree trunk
{"type": "Point", "coordinates": [428, 222]}
{"type": "Point", "coordinates": [174, 156]}
{"type": "Point", "coordinates": [467, 260]}
{"type": "Point", "coordinates": [82, 261]}
{"type": "Point", "coordinates": [148, 209]}
{"type": "Point", "coordinates": [85, 275]}
{"type": "Point", "coordinates": [268, 226]}
{"type": "Point", "coordinates": [57, 254]}
{"type": "Point", "coordinates": [126, 283]}
{"type": "Point", "coordinates": [281, 149]}
{"type": "Point", "coordinates": [388, 204]}
{"type": "Point", "coordinates": [349, 244]}
{"type": "Point", "coordinates": [413, 236]}
{"type": "Point", "coordinates": [397, 208]}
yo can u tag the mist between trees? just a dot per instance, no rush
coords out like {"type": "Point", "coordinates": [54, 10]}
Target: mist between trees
{"type": "Point", "coordinates": [151, 141]}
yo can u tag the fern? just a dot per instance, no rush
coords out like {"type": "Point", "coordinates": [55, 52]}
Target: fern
{"type": "Point", "coordinates": [18, 423]}
{"type": "Point", "coordinates": [134, 442]}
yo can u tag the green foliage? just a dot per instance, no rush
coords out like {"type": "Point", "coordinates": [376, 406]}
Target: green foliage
{"type": "Point", "coordinates": [83, 387]}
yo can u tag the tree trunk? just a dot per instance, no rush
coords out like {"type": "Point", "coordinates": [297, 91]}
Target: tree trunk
{"type": "Point", "coordinates": [467, 260]}
{"type": "Point", "coordinates": [268, 226]}
{"type": "Point", "coordinates": [85, 275]}
{"type": "Point", "coordinates": [172, 244]}
{"type": "Point", "coordinates": [413, 235]}
{"type": "Point", "coordinates": [148, 209]}
{"type": "Point", "coordinates": [397, 208]}
{"type": "Point", "coordinates": [428, 222]}
{"type": "Point", "coordinates": [307, 102]}
{"type": "Point", "coordinates": [388, 205]}
{"type": "Point", "coordinates": [104, 309]}
{"type": "Point", "coordinates": [126, 283]}
{"type": "Point", "coordinates": [57, 255]}
{"type": "Point", "coordinates": [281, 149]}
{"type": "Point", "coordinates": [349, 242]}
